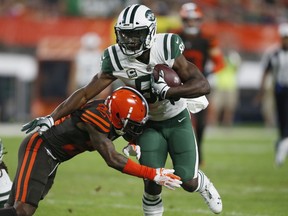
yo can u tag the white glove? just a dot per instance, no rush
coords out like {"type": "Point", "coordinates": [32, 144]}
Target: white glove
{"type": "Point", "coordinates": [165, 177]}
{"type": "Point", "coordinates": [41, 124]}
{"type": "Point", "coordinates": [133, 150]}
{"type": "Point", "coordinates": [160, 87]}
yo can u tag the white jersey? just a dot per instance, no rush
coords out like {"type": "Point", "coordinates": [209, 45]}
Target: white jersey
{"type": "Point", "coordinates": [138, 75]}
{"type": "Point", "coordinates": [5, 185]}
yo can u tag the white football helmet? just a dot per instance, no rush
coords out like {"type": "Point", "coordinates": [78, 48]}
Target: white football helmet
{"type": "Point", "coordinates": [135, 29]}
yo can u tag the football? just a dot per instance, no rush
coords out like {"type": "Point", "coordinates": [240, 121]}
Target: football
{"type": "Point", "coordinates": [170, 76]}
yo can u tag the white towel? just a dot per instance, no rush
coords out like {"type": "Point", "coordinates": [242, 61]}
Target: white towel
{"type": "Point", "coordinates": [195, 105]}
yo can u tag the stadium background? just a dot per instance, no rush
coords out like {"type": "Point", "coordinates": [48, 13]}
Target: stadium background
{"type": "Point", "coordinates": [36, 34]}
{"type": "Point", "coordinates": [45, 34]}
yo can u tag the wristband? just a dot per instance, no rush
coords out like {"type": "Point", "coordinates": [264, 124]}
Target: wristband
{"type": "Point", "coordinates": [138, 170]}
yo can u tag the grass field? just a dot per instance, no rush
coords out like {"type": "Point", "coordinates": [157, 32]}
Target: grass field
{"type": "Point", "coordinates": [238, 160]}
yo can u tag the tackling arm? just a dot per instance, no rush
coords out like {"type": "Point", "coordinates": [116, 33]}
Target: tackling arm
{"type": "Point", "coordinates": [194, 83]}
{"type": "Point", "coordinates": [107, 150]}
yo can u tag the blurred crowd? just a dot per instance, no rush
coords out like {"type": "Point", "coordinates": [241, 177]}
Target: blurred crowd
{"type": "Point", "coordinates": [236, 11]}
{"type": "Point", "coordinates": [265, 14]}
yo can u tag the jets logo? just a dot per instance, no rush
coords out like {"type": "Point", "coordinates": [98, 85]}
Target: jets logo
{"type": "Point", "coordinates": [150, 15]}
{"type": "Point", "coordinates": [131, 73]}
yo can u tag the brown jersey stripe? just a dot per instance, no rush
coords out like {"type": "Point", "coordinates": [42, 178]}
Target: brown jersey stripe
{"type": "Point", "coordinates": [30, 166]}
{"type": "Point", "coordinates": [23, 169]}
{"type": "Point", "coordinates": [25, 158]}
{"type": "Point", "coordinates": [86, 118]}
{"type": "Point", "coordinates": [107, 124]}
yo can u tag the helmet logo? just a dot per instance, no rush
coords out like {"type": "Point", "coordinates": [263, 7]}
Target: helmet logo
{"type": "Point", "coordinates": [150, 15]}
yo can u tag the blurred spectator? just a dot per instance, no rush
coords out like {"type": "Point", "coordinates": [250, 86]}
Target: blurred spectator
{"type": "Point", "coordinates": [100, 8]}
{"type": "Point", "coordinates": [224, 96]}
{"type": "Point", "coordinates": [235, 11]}
{"type": "Point", "coordinates": [276, 62]}
{"type": "Point", "coordinates": [87, 61]}
{"type": "Point", "coordinates": [12, 8]}
{"type": "Point", "coordinates": [52, 7]}
{"type": "Point", "coordinates": [200, 48]}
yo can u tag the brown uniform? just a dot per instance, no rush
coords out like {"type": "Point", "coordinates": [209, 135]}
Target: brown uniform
{"type": "Point", "coordinates": [39, 156]}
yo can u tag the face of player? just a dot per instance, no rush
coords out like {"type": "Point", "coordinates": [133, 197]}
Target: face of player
{"type": "Point", "coordinates": [192, 26]}
{"type": "Point", "coordinates": [132, 39]}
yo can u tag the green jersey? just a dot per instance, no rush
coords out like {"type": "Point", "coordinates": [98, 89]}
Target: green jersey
{"type": "Point", "coordinates": [138, 75]}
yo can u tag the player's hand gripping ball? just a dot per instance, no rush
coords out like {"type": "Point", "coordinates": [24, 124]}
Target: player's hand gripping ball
{"type": "Point", "coordinates": [163, 78]}
{"type": "Point", "coordinates": [170, 76]}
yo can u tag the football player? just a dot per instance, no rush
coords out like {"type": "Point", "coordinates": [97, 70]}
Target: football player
{"type": "Point", "coordinates": [169, 129]}
{"type": "Point", "coordinates": [90, 128]}
{"type": "Point", "coordinates": [200, 48]}
{"type": "Point", "coordinates": [5, 182]}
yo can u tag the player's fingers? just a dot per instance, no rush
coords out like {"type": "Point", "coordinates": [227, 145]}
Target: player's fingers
{"type": "Point", "coordinates": [167, 171]}
{"type": "Point", "coordinates": [168, 185]}
{"type": "Point", "coordinates": [126, 152]}
{"type": "Point", "coordinates": [138, 155]}
{"type": "Point", "coordinates": [175, 183]}
{"type": "Point", "coordinates": [26, 126]}
{"type": "Point", "coordinates": [173, 176]}
{"type": "Point", "coordinates": [31, 128]}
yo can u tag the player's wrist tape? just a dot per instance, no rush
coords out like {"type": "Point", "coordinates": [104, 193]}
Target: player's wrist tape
{"type": "Point", "coordinates": [164, 92]}
{"type": "Point", "coordinates": [138, 170]}
{"type": "Point", "coordinates": [51, 120]}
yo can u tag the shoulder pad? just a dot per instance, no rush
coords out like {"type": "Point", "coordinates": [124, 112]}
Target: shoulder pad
{"type": "Point", "coordinates": [173, 46]}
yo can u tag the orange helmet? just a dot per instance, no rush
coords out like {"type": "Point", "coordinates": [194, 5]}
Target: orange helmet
{"type": "Point", "coordinates": [190, 11]}
{"type": "Point", "coordinates": [129, 111]}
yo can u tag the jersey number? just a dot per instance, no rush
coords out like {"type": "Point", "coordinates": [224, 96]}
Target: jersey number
{"type": "Point", "coordinates": [143, 84]}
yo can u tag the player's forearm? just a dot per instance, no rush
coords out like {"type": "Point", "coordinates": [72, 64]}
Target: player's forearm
{"type": "Point", "coordinates": [75, 101]}
{"type": "Point", "coordinates": [194, 82]}
{"type": "Point", "coordinates": [190, 89]}
{"type": "Point", "coordinates": [135, 169]}
{"type": "Point", "coordinates": [119, 162]}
